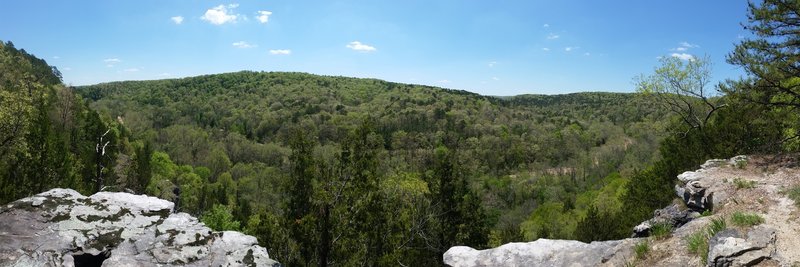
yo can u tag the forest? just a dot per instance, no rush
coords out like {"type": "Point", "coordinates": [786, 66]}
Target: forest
{"type": "Point", "coordinates": [328, 170]}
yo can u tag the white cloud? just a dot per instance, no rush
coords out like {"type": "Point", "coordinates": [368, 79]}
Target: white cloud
{"type": "Point", "coordinates": [491, 64]}
{"type": "Point", "coordinates": [221, 14]}
{"type": "Point", "coordinates": [67, 69]}
{"type": "Point", "coordinates": [280, 52]}
{"type": "Point", "coordinates": [552, 36]}
{"type": "Point", "coordinates": [545, 49]}
{"type": "Point", "coordinates": [688, 45]}
{"type": "Point", "coordinates": [263, 16]}
{"type": "Point", "coordinates": [131, 70]}
{"type": "Point", "coordinates": [243, 44]}
{"type": "Point", "coordinates": [683, 56]}
{"type": "Point", "coordinates": [56, 57]}
{"type": "Point", "coordinates": [495, 78]}
{"type": "Point", "coordinates": [177, 19]}
{"type": "Point", "coordinates": [444, 81]}
{"type": "Point", "coordinates": [684, 46]}
{"type": "Point", "coordinates": [570, 48]}
{"type": "Point", "coordinates": [358, 46]}
{"type": "Point", "coordinates": [546, 25]}
{"type": "Point", "coordinates": [110, 62]}
{"type": "Point", "coordinates": [587, 54]}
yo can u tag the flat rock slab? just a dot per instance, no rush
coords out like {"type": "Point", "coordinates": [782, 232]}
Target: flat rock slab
{"type": "Point", "coordinates": [61, 227]}
{"type": "Point", "coordinates": [544, 252]}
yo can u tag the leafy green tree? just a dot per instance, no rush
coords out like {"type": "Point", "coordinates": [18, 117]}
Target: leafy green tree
{"type": "Point", "coordinates": [682, 87]}
{"type": "Point", "coordinates": [220, 218]}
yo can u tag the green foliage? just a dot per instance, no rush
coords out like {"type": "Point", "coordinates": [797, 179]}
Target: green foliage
{"type": "Point", "coordinates": [220, 218]}
{"type": "Point", "coordinates": [768, 58]}
{"type": "Point", "coordinates": [642, 249]}
{"type": "Point", "coordinates": [661, 231]}
{"type": "Point", "coordinates": [597, 226]}
{"type": "Point", "coordinates": [648, 190]}
{"type": "Point", "coordinates": [741, 164]}
{"type": "Point", "coordinates": [697, 243]}
{"type": "Point", "coordinates": [743, 184]}
{"type": "Point", "coordinates": [717, 224]}
{"type": "Point", "coordinates": [794, 194]}
{"type": "Point", "coordinates": [742, 219]}
{"type": "Point", "coordinates": [48, 137]}
{"type": "Point", "coordinates": [681, 86]}
{"type": "Point", "coordinates": [466, 148]}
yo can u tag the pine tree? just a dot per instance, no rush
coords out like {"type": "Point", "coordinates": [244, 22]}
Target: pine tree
{"type": "Point", "coordinates": [300, 218]}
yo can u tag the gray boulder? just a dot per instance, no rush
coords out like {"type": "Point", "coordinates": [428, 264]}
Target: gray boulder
{"type": "Point", "coordinates": [729, 248]}
{"type": "Point", "coordinates": [61, 227]}
{"type": "Point", "coordinates": [697, 197]}
{"type": "Point", "coordinates": [690, 176]}
{"type": "Point", "coordinates": [673, 215]}
{"type": "Point", "coordinates": [544, 252]}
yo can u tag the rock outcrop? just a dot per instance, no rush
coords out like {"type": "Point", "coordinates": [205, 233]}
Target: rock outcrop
{"type": "Point", "coordinates": [544, 252]}
{"type": "Point", "coordinates": [724, 187]}
{"type": "Point", "coordinates": [673, 215]}
{"type": "Point", "coordinates": [61, 227]}
{"type": "Point", "coordinates": [729, 248]}
{"type": "Point", "coordinates": [695, 192]}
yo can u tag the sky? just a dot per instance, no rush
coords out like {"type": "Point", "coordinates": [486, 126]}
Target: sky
{"type": "Point", "coordinates": [488, 47]}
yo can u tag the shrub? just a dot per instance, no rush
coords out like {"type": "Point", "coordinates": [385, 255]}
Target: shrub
{"type": "Point", "coordinates": [220, 218]}
{"type": "Point", "coordinates": [744, 184]}
{"type": "Point", "coordinates": [741, 164]}
{"type": "Point", "coordinates": [742, 219]}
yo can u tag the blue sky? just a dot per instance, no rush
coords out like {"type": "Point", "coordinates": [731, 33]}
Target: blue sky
{"type": "Point", "coordinates": [488, 47]}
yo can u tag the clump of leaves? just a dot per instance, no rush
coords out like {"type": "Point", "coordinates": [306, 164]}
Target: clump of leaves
{"type": "Point", "coordinates": [742, 219]}
{"type": "Point", "coordinates": [744, 184]}
{"type": "Point", "coordinates": [706, 213]}
{"type": "Point", "coordinates": [641, 249]}
{"type": "Point", "coordinates": [661, 231]}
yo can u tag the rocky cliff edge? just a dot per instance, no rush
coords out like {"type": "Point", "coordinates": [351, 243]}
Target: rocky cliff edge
{"type": "Point", "coordinates": [61, 227]}
{"type": "Point", "coordinates": [709, 197]}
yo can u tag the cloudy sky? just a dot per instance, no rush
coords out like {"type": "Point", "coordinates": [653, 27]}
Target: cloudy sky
{"type": "Point", "coordinates": [488, 47]}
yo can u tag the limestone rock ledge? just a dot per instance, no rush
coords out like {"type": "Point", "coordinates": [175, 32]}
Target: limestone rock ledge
{"type": "Point", "coordinates": [61, 227]}
{"type": "Point", "coordinates": [545, 252]}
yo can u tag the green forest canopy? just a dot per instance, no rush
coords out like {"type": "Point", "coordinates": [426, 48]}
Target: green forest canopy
{"type": "Point", "coordinates": [431, 150]}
